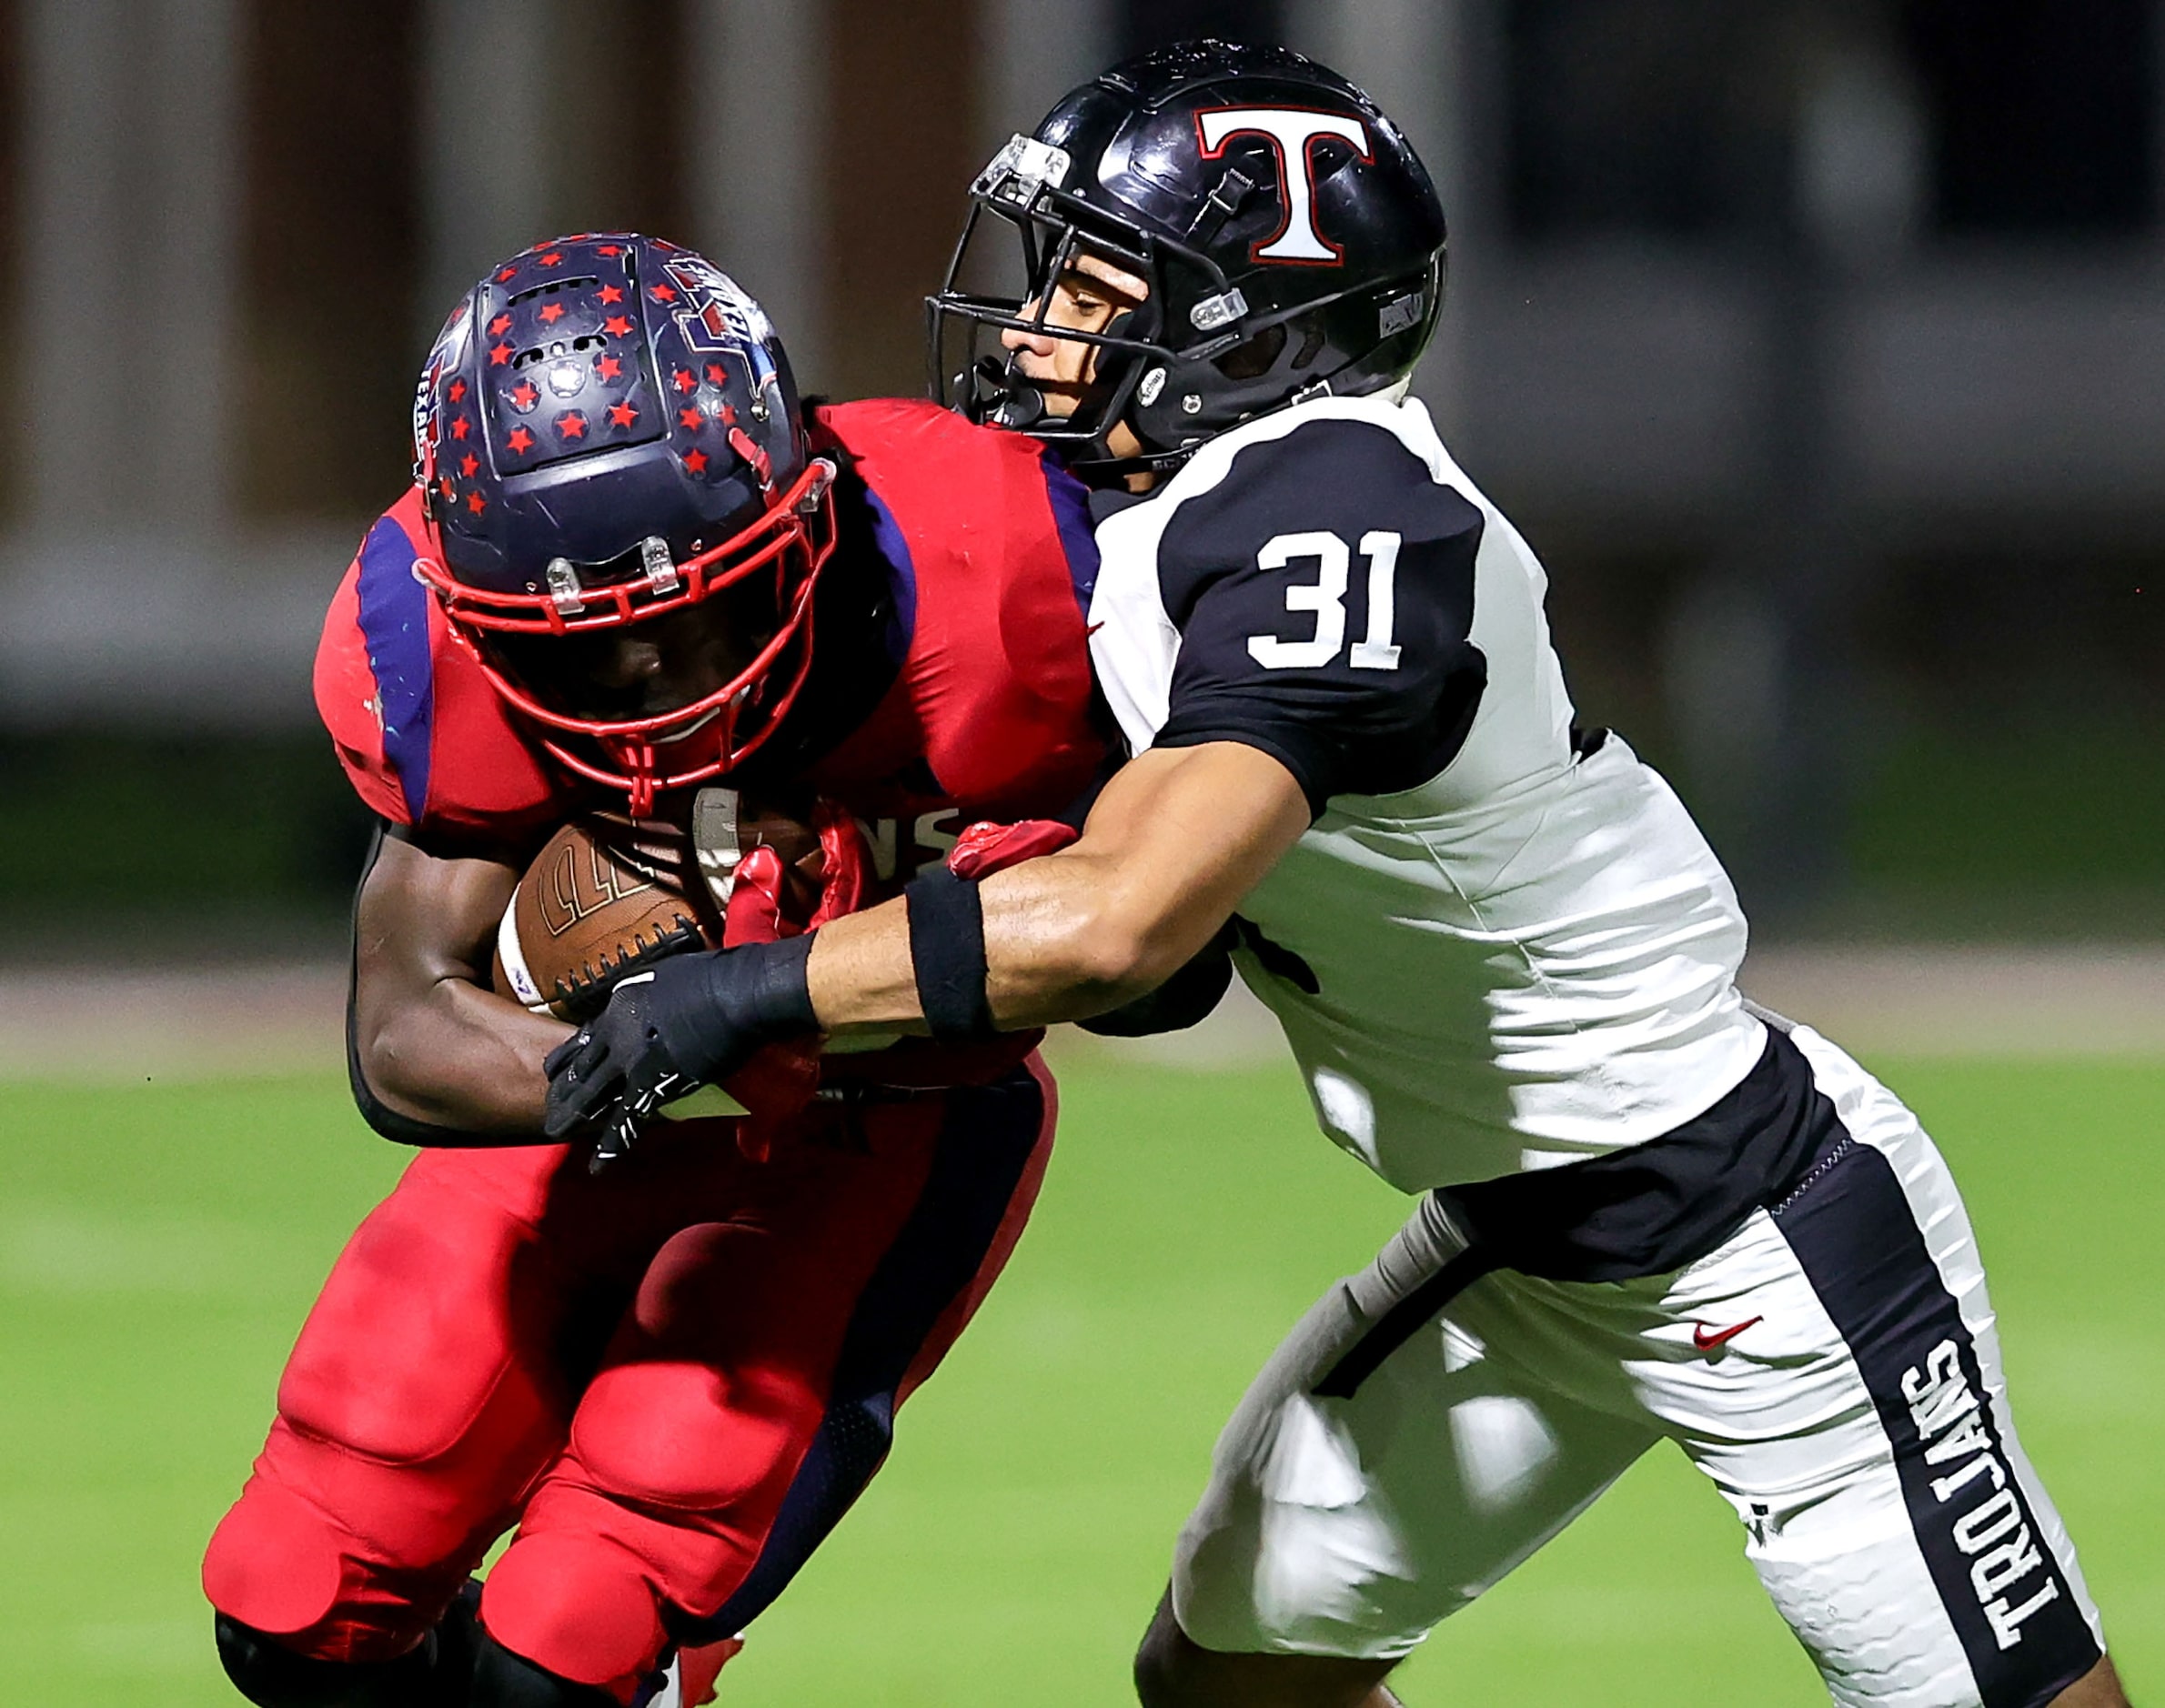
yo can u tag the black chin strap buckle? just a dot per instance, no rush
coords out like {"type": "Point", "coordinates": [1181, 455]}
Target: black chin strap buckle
{"type": "Point", "coordinates": [1224, 200]}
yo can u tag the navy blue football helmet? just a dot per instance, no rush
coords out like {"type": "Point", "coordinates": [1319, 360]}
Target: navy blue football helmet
{"type": "Point", "coordinates": [605, 434]}
{"type": "Point", "coordinates": [1289, 237]}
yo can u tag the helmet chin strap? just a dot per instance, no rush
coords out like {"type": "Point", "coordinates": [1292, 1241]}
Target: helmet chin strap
{"type": "Point", "coordinates": [1153, 463]}
{"type": "Point", "coordinates": [1019, 403]}
{"type": "Point", "coordinates": [1020, 406]}
{"type": "Point", "coordinates": [1160, 463]}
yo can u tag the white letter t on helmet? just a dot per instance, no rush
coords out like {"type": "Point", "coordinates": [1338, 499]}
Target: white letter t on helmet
{"type": "Point", "coordinates": [1293, 132]}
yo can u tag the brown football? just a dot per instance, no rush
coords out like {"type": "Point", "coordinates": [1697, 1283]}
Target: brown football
{"type": "Point", "coordinates": [607, 895]}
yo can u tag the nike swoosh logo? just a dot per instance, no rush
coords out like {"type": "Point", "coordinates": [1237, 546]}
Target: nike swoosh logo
{"type": "Point", "coordinates": [1706, 1342]}
{"type": "Point", "coordinates": [1093, 629]}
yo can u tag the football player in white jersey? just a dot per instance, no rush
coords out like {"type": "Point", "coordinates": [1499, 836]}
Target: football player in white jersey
{"type": "Point", "coordinates": [1503, 957]}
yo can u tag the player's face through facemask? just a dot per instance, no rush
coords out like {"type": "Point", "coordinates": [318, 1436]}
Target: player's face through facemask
{"type": "Point", "coordinates": [1088, 296]}
{"type": "Point", "coordinates": [645, 670]}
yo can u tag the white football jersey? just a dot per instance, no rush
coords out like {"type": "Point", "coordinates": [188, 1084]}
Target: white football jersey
{"type": "Point", "coordinates": [1496, 949]}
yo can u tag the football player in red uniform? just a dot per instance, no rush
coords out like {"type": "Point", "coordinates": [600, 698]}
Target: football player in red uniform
{"type": "Point", "coordinates": [632, 569]}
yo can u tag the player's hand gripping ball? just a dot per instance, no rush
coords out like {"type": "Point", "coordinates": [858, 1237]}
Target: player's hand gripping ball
{"type": "Point", "coordinates": [739, 1017]}
{"type": "Point", "coordinates": [607, 897]}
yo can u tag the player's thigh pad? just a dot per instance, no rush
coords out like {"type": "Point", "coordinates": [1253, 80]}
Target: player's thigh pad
{"type": "Point", "coordinates": [1349, 1527]}
{"type": "Point", "coordinates": [717, 1377]}
{"type": "Point", "coordinates": [423, 1396]}
{"type": "Point", "coordinates": [433, 1335]}
{"type": "Point", "coordinates": [1860, 1428]}
{"type": "Point", "coordinates": [749, 1395]}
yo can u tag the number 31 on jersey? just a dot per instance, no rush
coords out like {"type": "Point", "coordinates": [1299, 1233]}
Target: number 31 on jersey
{"type": "Point", "coordinates": [1326, 597]}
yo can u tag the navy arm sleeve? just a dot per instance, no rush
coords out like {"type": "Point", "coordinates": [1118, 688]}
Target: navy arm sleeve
{"type": "Point", "coordinates": [1323, 592]}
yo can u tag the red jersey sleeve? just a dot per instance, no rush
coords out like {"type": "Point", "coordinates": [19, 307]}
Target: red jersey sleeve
{"type": "Point", "coordinates": [423, 736]}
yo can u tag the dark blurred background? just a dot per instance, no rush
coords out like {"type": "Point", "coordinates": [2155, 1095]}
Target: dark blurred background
{"type": "Point", "coordinates": [1818, 347]}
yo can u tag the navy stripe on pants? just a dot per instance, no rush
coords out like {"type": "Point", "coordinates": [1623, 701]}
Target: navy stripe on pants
{"type": "Point", "coordinates": [1853, 1231]}
{"type": "Point", "coordinates": [984, 1147]}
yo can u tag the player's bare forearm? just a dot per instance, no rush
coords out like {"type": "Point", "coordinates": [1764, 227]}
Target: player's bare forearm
{"type": "Point", "coordinates": [435, 1044]}
{"type": "Point", "coordinates": [1176, 840]}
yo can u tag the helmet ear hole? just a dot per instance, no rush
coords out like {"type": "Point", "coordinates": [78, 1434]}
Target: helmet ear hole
{"type": "Point", "coordinates": [1311, 345]}
{"type": "Point", "coordinates": [1260, 354]}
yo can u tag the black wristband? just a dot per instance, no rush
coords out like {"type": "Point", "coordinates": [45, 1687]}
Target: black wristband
{"type": "Point", "coordinates": [947, 953]}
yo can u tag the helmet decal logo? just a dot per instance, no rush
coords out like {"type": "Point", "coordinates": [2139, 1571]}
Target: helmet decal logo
{"type": "Point", "coordinates": [449, 353]}
{"type": "Point", "coordinates": [1293, 132]}
{"type": "Point", "coordinates": [717, 316]}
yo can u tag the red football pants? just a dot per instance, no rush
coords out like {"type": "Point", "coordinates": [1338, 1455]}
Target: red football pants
{"type": "Point", "coordinates": [673, 1377]}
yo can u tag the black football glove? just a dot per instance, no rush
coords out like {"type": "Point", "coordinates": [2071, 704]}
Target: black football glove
{"type": "Point", "coordinates": [694, 1020]}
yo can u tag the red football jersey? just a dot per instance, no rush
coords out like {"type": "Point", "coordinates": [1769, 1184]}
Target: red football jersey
{"type": "Point", "coordinates": [987, 545]}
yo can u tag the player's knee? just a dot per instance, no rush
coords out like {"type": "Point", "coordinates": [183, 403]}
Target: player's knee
{"type": "Point", "coordinates": [279, 1566]}
{"type": "Point", "coordinates": [1163, 1682]}
{"type": "Point", "coordinates": [1153, 1686]}
{"type": "Point", "coordinates": [574, 1607]}
{"type": "Point", "coordinates": [505, 1680]}
{"type": "Point", "coordinates": [1163, 1677]}
{"type": "Point", "coordinates": [272, 1675]}
{"type": "Point", "coordinates": [1173, 1670]}
{"type": "Point", "coordinates": [274, 1564]}
{"type": "Point", "coordinates": [2098, 1688]}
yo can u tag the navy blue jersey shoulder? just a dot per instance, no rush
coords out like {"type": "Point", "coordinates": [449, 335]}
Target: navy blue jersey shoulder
{"type": "Point", "coordinates": [1323, 592]}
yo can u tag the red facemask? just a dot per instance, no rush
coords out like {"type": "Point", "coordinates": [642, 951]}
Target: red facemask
{"type": "Point", "coordinates": [791, 542]}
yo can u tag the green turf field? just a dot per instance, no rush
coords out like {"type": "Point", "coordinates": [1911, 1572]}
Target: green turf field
{"type": "Point", "coordinates": [160, 1245]}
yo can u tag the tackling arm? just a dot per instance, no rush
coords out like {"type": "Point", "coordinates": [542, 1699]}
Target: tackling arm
{"type": "Point", "coordinates": [436, 1057]}
{"type": "Point", "coordinates": [1176, 840]}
